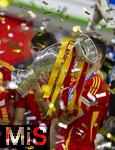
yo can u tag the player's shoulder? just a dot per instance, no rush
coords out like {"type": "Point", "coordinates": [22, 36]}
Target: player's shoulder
{"type": "Point", "coordinates": [97, 85]}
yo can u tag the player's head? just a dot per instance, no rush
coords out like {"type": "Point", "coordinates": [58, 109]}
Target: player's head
{"type": "Point", "coordinates": [41, 40]}
{"type": "Point", "coordinates": [101, 48]}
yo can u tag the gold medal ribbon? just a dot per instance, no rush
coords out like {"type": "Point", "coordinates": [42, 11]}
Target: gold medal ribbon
{"type": "Point", "coordinates": [80, 83]}
{"type": "Point", "coordinates": [60, 80]}
{"type": "Point", "coordinates": [47, 89]}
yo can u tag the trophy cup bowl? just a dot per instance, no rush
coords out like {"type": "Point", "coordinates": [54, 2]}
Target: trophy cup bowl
{"type": "Point", "coordinates": [26, 80]}
{"type": "Point", "coordinates": [86, 49]}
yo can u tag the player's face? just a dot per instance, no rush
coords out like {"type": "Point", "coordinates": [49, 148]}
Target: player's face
{"type": "Point", "coordinates": [35, 50]}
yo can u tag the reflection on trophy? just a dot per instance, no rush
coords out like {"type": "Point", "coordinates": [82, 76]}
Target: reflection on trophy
{"type": "Point", "coordinates": [51, 59]}
{"type": "Point", "coordinates": [26, 80]}
{"type": "Point", "coordinates": [86, 49]}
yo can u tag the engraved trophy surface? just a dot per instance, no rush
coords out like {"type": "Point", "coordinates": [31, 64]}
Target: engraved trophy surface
{"type": "Point", "coordinates": [26, 80]}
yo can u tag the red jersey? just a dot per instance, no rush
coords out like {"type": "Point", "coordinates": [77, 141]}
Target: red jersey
{"type": "Point", "coordinates": [7, 97]}
{"type": "Point", "coordinates": [29, 103]}
{"type": "Point", "coordinates": [4, 108]}
{"type": "Point", "coordinates": [94, 102]}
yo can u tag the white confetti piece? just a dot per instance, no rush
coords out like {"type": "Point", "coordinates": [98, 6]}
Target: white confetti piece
{"type": "Point", "coordinates": [62, 125]}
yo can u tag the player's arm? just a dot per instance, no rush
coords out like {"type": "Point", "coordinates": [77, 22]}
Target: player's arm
{"type": "Point", "coordinates": [19, 116]}
{"type": "Point", "coordinates": [44, 104]}
{"type": "Point", "coordinates": [68, 118]}
{"type": "Point", "coordinates": [20, 111]}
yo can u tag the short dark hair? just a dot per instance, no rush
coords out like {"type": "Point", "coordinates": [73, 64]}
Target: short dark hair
{"type": "Point", "coordinates": [101, 47]}
{"type": "Point", "coordinates": [43, 39]}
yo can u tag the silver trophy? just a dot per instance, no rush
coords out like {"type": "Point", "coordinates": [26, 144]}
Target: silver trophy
{"type": "Point", "coordinates": [86, 49]}
{"type": "Point", "coordinates": [26, 80]}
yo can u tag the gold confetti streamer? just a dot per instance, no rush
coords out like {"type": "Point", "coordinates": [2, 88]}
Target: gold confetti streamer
{"type": "Point", "coordinates": [44, 2]}
{"type": "Point", "coordinates": [16, 51]}
{"type": "Point", "coordinates": [5, 3]}
{"type": "Point", "coordinates": [77, 29]}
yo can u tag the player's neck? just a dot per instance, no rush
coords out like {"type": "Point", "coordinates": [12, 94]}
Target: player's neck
{"type": "Point", "coordinates": [92, 70]}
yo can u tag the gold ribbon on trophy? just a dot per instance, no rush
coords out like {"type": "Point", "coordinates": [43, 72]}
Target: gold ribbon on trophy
{"type": "Point", "coordinates": [83, 46]}
{"type": "Point", "coordinates": [48, 89]}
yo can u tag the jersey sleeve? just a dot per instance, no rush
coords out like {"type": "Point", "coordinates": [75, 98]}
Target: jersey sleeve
{"type": "Point", "coordinates": [95, 93]}
{"type": "Point", "coordinates": [20, 101]}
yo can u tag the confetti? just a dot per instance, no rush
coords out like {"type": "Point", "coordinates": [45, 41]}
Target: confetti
{"type": "Point", "coordinates": [80, 134]}
{"type": "Point", "coordinates": [42, 28]}
{"type": "Point", "coordinates": [8, 27]}
{"type": "Point", "coordinates": [2, 13]}
{"type": "Point", "coordinates": [64, 147]}
{"type": "Point", "coordinates": [16, 50]}
{"type": "Point", "coordinates": [62, 106]}
{"type": "Point", "coordinates": [43, 127]}
{"type": "Point", "coordinates": [51, 105]}
{"type": "Point", "coordinates": [85, 101]}
{"type": "Point", "coordinates": [44, 2]}
{"type": "Point", "coordinates": [44, 11]}
{"type": "Point", "coordinates": [75, 70]}
{"type": "Point", "coordinates": [47, 12]}
{"type": "Point", "coordinates": [109, 135]}
{"type": "Point", "coordinates": [63, 10]}
{"type": "Point", "coordinates": [28, 112]}
{"type": "Point", "coordinates": [101, 95]}
{"type": "Point", "coordinates": [24, 26]}
{"type": "Point", "coordinates": [32, 14]}
{"type": "Point", "coordinates": [31, 118]}
{"type": "Point", "coordinates": [113, 41]}
{"type": "Point", "coordinates": [85, 10]}
{"type": "Point", "coordinates": [61, 20]}
{"type": "Point", "coordinates": [20, 44]}
{"type": "Point", "coordinates": [91, 97]}
{"type": "Point", "coordinates": [2, 18]}
{"type": "Point", "coordinates": [61, 27]}
{"type": "Point", "coordinates": [62, 125]}
{"type": "Point", "coordinates": [80, 130]}
{"type": "Point", "coordinates": [109, 18]}
{"type": "Point", "coordinates": [77, 29]}
{"type": "Point", "coordinates": [2, 51]}
{"type": "Point", "coordinates": [4, 3]}
{"type": "Point", "coordinates": [60, 141]}
{"type": "Point", "coordinates": [10, 35]}
{"type": "Point", "coordinates": [110, 9]}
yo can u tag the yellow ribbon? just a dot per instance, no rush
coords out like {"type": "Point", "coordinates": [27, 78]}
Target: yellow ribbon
{"type": "Point", "coordinates": [72, 105]}
{"type": "Point", "coordinates": [60, 80]}
{"type": "Point", "coordinates": [72, 102]}
{"type": "Point", "coordinates": [6, 65]}
{"type": "Point", "coordinates": [47, 89]}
